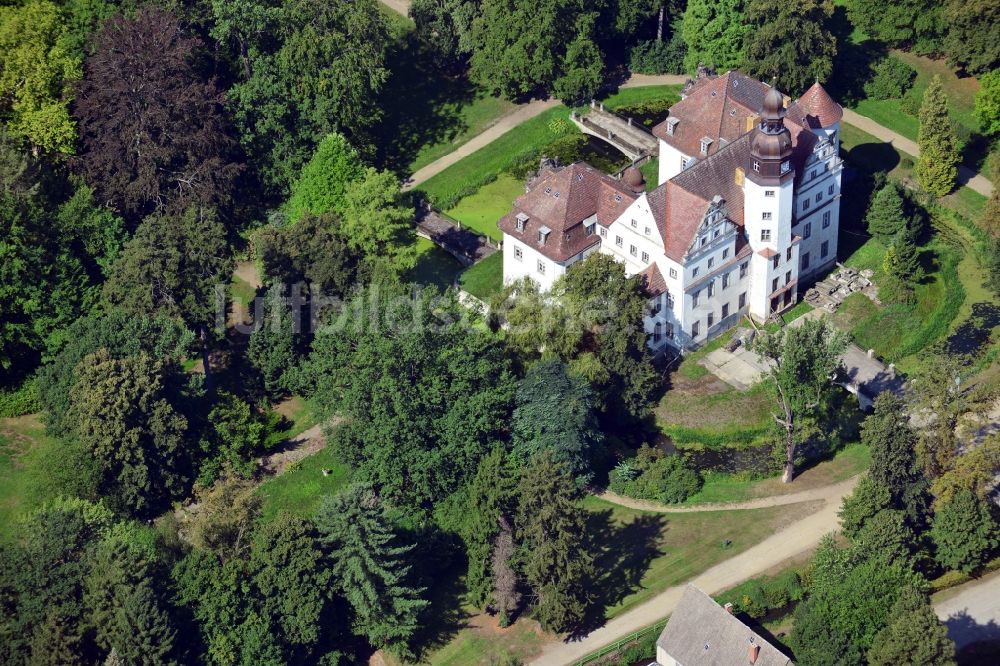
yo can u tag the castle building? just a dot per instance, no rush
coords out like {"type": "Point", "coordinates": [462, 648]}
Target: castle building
{"type": "Point", "coordinates": [746, 207]}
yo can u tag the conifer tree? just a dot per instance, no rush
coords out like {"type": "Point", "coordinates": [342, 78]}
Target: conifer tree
{"type": "Point", "coordinates": [145, 633]}
{"type": "Point", "coordinates": [370, 569]}
{"type": "Point", "coordinates": [557, 567]}
{"type": "Point", "coordinates": [885, 214]}
{"type": "Point", "coordinates": [937, 165]}
{"type": "Point", "coordinates": [893, 444]}
{"type": "Point", "coordinates": [907, 266]}
{"type": "Point", "coordinates": [965, 531]}
{"type": "Point", "coordinates": [506, 596]}
{"type": "Point", "coordinates": [490, 500]}
{"type": "Point", "coordinates": [913, 636]}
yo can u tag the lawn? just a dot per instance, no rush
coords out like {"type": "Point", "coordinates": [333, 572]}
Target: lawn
{"type": "Point", "coordinates": [896, 114]}
{"type": "Point", "coordinates": [466, 176]}
{"type": "Point", "coordinates": [706, 412]}
{"type": "Point", "coordinates": [651, 173]}
{"type": "Point", "coordinates": [301, 488]}
{"type": "Point", "coordinates": [627, 97]}
{"type": "Point", "coordinates": [849, 461]}
{"type": "Point", "coordinates": [640, 555]}
{"type": "Point", "coordinates": [672, 548]}
{"type": "Point", "coordinates": [297, 414]}
{"type": "Point", "coordinates": [481, 211]}
{"type": "Point", "coordinates": [472, 119]}
{"type": "Point", "coordinates": [898, 331]}
{"type": "Point", "coordinates": [484, 279]}
{"type": "Point", "coordinates": [434, 266]}
{"type": "Point", "coordinates": [35, 468]}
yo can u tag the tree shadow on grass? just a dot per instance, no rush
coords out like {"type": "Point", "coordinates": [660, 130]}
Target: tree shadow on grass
{"type": "Point", "coordinates": [874, 157]}
{"type": "Point", "coordinates": [622, 555]}
{"type": "Point", "coordinates": [421, 104]}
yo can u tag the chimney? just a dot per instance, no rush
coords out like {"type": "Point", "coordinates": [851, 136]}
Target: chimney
{"type": "Point", "coordinates": [753, 652]}
{"type": "Point", "coordinates": [729, 608]}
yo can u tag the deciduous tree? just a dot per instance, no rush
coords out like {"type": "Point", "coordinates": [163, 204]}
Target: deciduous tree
{"type": "Point", "coordinates": [790, 41]}
{"type": "Point", "coordinates": [122, 412]}
{"type": "Point", "coordinates": [802, 360]}
{"type": "Point", "coordinates": [715, 33]}
{"type": "Point", "coordinates": [321, 186]}
{"type": "Point", "coordinates": [172, 266]}
{"type": "Point", "coordinates": [151, 128]}
{"type": "Point", "coordinates": [988, 102]}
{"type": "Point", "coordinates": [914, 23]}
{"type": "Point", "coordinates": [937, 165]}
{"type": "Point", "coordinates": [37, 66]}
{"type": "Point", "coordinates": [972, 41]}
{"type": "Point", "coordinates": [314, 250]}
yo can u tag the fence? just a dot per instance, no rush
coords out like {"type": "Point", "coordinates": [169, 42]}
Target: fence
{"type": "Point", "coordinates": [621, 643]}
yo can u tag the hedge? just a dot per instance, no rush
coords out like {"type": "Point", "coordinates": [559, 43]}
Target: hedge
{"type": "Point", "coordinates": [20, 401]}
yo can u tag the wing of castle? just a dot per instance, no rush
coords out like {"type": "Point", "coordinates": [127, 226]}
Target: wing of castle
{"type": "Point", "coordinates": [746, 207]}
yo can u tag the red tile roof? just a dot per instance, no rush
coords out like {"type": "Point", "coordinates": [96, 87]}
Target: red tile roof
{"type": "Point", "coordinates": [561, 199]}
{"type": "Point", "coordinates": [716, 108]}
{"type": "Point", "coordinates": [652, 281]}
{"type": "Point", "coordinates": [818, 108]}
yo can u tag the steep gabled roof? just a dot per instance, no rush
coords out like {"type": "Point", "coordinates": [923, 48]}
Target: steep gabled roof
{"type": "Point", "coordinates": [560, 199]}
{"type": "Point", "coordinates": [678, 213]}
{"type": "Point", "coordinates": [716, 108]}
{"type": "Point", "coordinates": [652, 281]}
{"type": "Point", "coordinates": [702, 633]}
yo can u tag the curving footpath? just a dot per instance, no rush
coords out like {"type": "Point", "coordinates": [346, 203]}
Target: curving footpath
{"type": "Point", "coordinates": [798, 538]}
{"type": "Point", "coordinates": [966, 176]}
{"type": "Point", "coordinates": [825, 493]}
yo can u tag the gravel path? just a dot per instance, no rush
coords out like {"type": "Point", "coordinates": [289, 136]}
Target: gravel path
{"type": "Point", "coordinates": [825, 493]}
{"type": "Point", "coordinates": [796, 539]}
{"type": "Point", "coordinates": [972, 611]}
{"type": "Point", "coordinates": [966, 176]}
{"type": "Point", "coordinates": [400, 6]}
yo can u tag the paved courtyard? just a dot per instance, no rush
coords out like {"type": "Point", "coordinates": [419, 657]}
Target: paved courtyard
{"type": "Point", "coordinates": [866, 376]}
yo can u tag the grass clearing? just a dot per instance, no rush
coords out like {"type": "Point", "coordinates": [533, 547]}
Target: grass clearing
{"type": "Point", "coordinates": [36, 468]}
{"type": "Point", "coordinates": [850, 461]}
{"type": "Point", "coordinates": [481, 211]}
{"type": "Point", "coordinates": [302, 487]}
{"type": "Point", "coordinates": [627, 97]}
{"type": "Point", "coordinates": [434, 266]}
{"type": "Point", "coordinates": [707, 412]}
{"type": "Point", "coordinates": [687, 544]}
{"type": "Point", "coordinates": [472, 119]}
{"type": "Point", "coordinates": [298, 415]}
{"type": "Point", "coordinates": [899, 115]}
{"type": "Point", "coordinates": [466, 176]}
{"type": "Point", "coordinates": [484, 279]}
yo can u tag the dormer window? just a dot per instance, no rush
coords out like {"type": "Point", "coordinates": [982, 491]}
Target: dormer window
{"type": "Point", "coordinates": [756, 166]}
{"type": "Point", "coordinates": [543, 233]}
{"type": "Point", "coordinates": [522, 220]}
{"type": "Point", "coordinates": [705, 143]}
{"type": "Point", "coordinates": [672, 125]}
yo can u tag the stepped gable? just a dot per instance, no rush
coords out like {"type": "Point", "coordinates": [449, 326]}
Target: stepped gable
{"type": "Point", "coordinates": [560, 199]}
{"type": "Point", "coordinates": [652, 281]}
{"type": "Point", "coordinates": [715, 108]}
{"type": "Point", "coordinates": [816, 109]}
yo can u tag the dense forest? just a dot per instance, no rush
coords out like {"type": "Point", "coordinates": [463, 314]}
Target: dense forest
{"type": "Point", "coordinates": [146, 149]}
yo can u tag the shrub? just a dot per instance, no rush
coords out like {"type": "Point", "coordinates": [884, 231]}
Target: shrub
{"type": "Point", "coordinates": [651, 475]}
{"type": "Point", "coordinates": [757, 596]}
{"type": "Point", "coordinates": [891, 79]}
{"type": "Point", "coordinates": [20, 401]}
{"type": "Point", "coordinates": [659, 57]}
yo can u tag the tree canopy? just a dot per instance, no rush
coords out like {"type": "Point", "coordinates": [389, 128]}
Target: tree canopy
{"type": "Point", "coordinates": [790, 42]}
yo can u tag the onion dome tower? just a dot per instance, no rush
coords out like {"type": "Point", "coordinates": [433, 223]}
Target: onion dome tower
{"type": "Point", "coordinates": [632, 178]}
{"type": "Point", "coordinates": [771, 143]}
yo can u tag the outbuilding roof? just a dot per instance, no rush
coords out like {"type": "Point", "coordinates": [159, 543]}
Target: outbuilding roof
{"type": "Point", "coordinates": [702, 633]}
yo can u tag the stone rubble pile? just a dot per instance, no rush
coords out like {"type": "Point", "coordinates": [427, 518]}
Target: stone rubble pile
{"type": "Point", "coordinates": [831, 291]}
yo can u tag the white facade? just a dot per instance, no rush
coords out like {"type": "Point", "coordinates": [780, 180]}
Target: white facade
{"type": "Point", "coordinates": [790, 222]}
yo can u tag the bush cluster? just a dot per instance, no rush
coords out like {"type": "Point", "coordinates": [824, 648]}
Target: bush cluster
{"type": "Point", "coordinates": [20, 401]}
{"type": "Point", "coordinates": [759, 595]}
{"type": "Point", "coordinates": [651, 475]}
{"type": "Point", "coordinates": [891, 79]}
